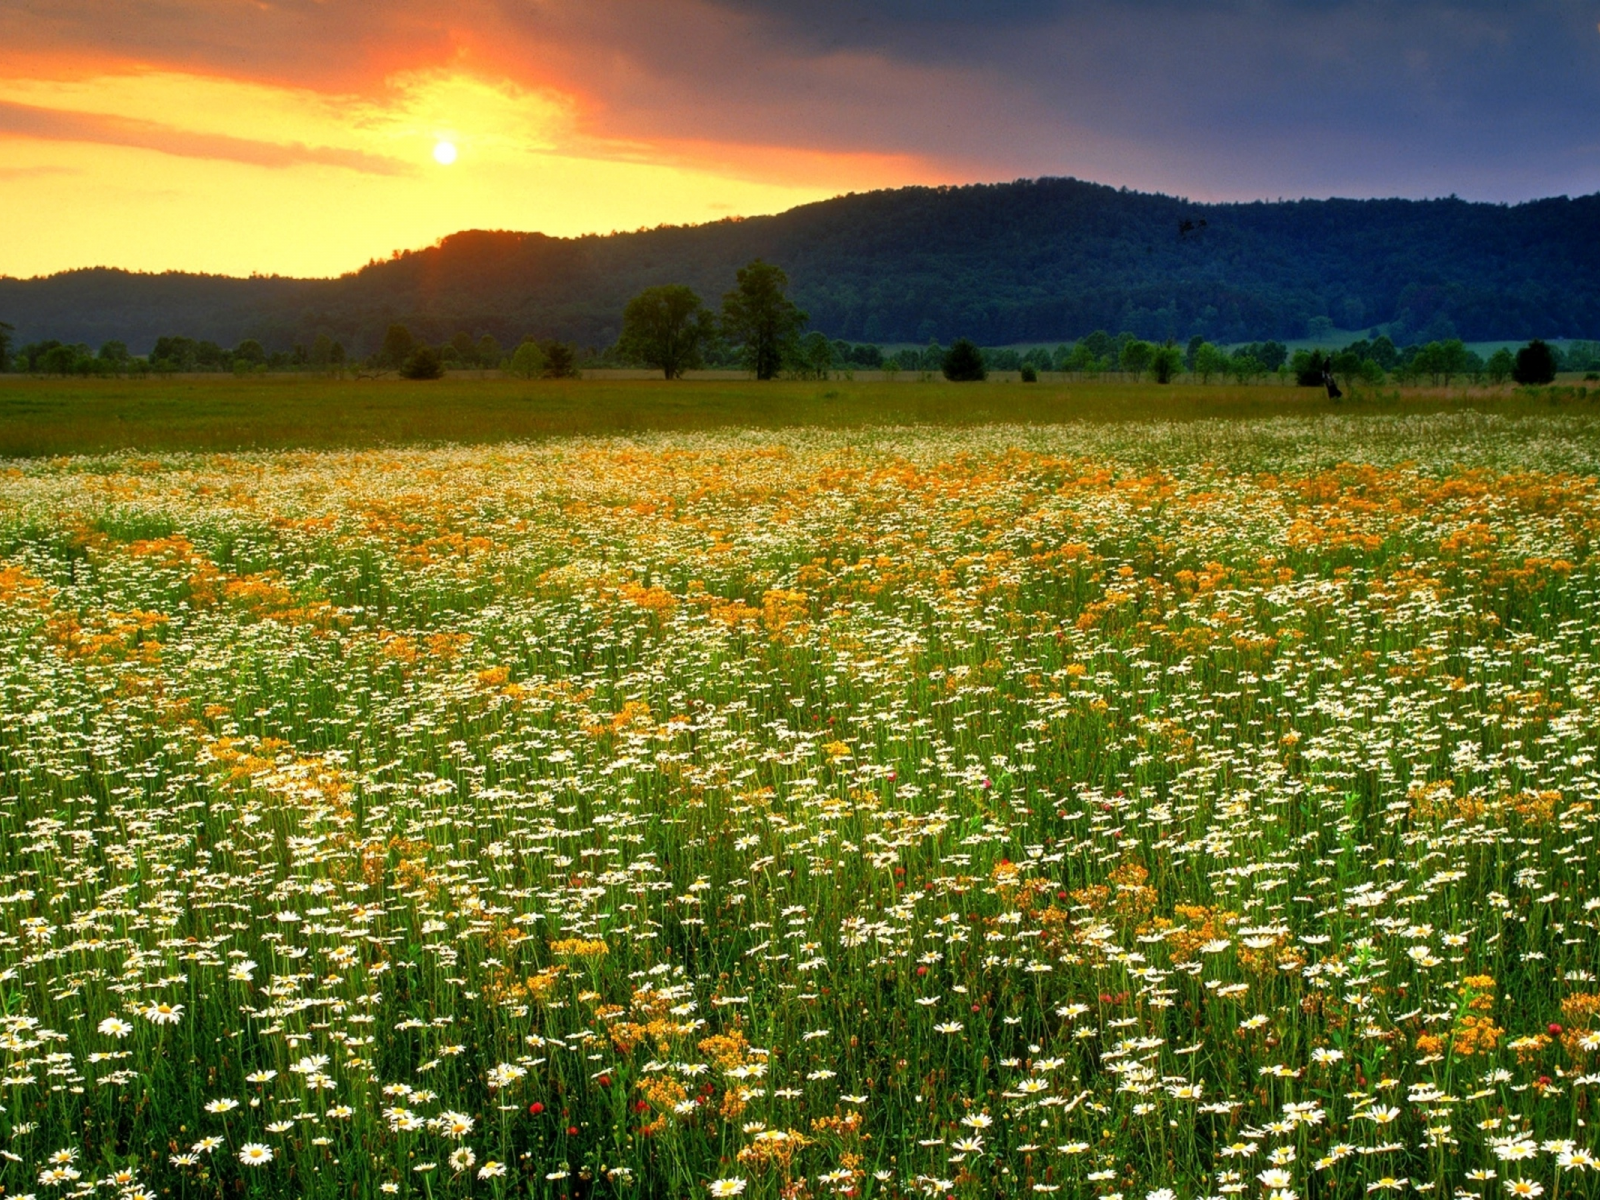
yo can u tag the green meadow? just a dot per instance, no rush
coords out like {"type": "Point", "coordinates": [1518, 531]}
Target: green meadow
{"type": "Point", "coordinates": [39, 416]}
{"type": "Point", "coordinates": [860, 789]}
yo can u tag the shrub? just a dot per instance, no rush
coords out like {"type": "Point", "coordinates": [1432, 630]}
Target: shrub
{"type": "Point", "coordinates": [528, 362]}
{"type": "Point", "coordinates": [963, 363]}
{"type": "Point", "coordinates": [1536, 363]}
{"type": "Point", "coordinates": [423, 363]}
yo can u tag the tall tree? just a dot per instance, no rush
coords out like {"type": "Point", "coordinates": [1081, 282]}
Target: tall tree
{"type": "Point", "coordinates": [397, 347]}
{"type": "Point", "coordinates": [5, 345]}
{"type": "Point", "coordinates": [667, 327]}
{"type": "Point", "coordinates": [758, 317]}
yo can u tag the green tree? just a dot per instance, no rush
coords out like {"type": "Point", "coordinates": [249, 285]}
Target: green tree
{"type": "Point", "coordinates": [422, 363]}
{"type": "Point", "coordinates": [1383, 353]}
{"type": "Point", "coordinates": [1209, 361]}
{"type": "Point", "coordinates": [813, 357]}
{"type": "Point", "coordinates": [1307, 366]}
{"type": "Point", "coordinates": [397, 347]}
{"type": "Point", "coordinates": [1165, 362]}
{"type": "Point", "coordinates": [963, 362]}
{"type": "Point", "coordinates": [1134, 356]}
{"type": "Point", "coordinates": [466, 349]}
{"type": "Point", "coordinates": [1030, 373]}
{"type": "Point", "coordinates": [560, 360]}
{"type": "Point", "coordinates": [60, 360]}
{"type": "Point", "coordinates": [668, 328]}
{"type": "Point", "coordinates": [528, 360]}
{"type": "Point", "coordinates": [250, 351]}
{"type": "Point", "coordinates": [489, 352]}
{"type": "Point", "coordinates": [758, 317]}
{"type": "Point", "coordinates": [6, 334]}
{"type": "Point", "coordinates": [1535, 364]}
{"type": "Point", "coordinates": [1500, 365]}
{"type": "Point", "coordinates": [1454, 359]}
{"type": "Point", "coordinates": [321, 351]}
{"type": "Point", "coordinates": [1246, 368]}
{"type": "Point", "coordinates": [1347, 366]}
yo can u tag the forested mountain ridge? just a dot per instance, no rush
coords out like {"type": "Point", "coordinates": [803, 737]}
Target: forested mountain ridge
{"type": "Point", "coordinates": [1041, 260]}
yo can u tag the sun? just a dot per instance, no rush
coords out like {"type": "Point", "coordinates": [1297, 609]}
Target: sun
{"type": "Point", "coordinates": [444, 153]}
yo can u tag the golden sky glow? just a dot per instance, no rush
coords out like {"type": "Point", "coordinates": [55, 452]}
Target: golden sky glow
{"type": "Point", "coordinates": [157, 169]}
{"type": "Point", "coordinates": [298, 136]}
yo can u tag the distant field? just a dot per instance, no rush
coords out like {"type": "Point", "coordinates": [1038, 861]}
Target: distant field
{"type": "Point", "coordinates": [41, 417]}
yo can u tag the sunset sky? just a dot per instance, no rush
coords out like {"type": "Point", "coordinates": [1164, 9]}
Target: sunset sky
{"type": "Point", "coordinates": [304, 136]}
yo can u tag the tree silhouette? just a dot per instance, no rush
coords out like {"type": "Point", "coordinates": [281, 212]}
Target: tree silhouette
{"type": "Point", "coordinates": [397, 346]}
{"type": "Point", "coordinates": [963, 362]}
{"type": "Point", "coordinates": [1535, 364]}
{"type": "Point", "coordinates": [422, 363]}
{"type": "Point", "coordinates": [666, 327]}
{"type": "Point", "coordinates": [757, 316]}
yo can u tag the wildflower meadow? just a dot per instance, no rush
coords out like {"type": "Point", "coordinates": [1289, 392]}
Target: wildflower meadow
{"type": "Point", "coordinates": [1152, 811]}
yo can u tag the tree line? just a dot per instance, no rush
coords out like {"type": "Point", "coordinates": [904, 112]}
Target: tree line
{"type": "Point", "coordinates": [759, 328]}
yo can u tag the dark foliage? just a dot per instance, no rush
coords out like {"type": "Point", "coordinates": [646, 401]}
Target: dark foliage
{"type": "Point", "coordinates": [423, 363]}
{"type": "Point", "coordinates": [397, 347]}
{"type": "Point", "coordinates": [1308, 367]}
{"type": "Point", "coordinates": [963, 362]}
{"type": "Point", "coordinates": [759, 317]}
{"type": "Point", "coordinates": [560, 359]}
{"type": "Point", "coordinates": [1049, 259]}
{"type": "Point", "coordinates": [667, 328]}
{"type": "Point", "coordinates": [1535, 364]}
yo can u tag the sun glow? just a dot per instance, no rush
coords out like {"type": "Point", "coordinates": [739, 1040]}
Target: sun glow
{"type": "Point", "coordinates": [162, 170]}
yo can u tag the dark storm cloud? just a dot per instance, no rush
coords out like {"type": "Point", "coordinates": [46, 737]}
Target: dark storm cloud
{"type": "Point", "coordinates": [1488, 98]}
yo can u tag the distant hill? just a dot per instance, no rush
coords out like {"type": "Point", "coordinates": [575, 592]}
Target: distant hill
{"type": "Point", "coordinates": [1042, 260]}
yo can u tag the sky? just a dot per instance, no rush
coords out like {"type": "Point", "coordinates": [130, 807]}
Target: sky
{"type": "Point", "coordinates": [304, 137]}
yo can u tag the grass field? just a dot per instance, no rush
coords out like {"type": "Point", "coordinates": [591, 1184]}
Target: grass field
{"type": "Point", "coordinates": [1136, 808]}
{"type": "Point", "coordinates": [282, 412]}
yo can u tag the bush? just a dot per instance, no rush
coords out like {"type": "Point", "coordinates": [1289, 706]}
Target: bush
{"type": "Point", "coordinates": [560, 360]}
{"type": "Point", "coordinates": [423, 363]}
{"type": "Point", "coordinates": [1165, 362]}
{"type": "Point", "coordinates": [1536, 363]}
{"type": "Point", "coordinates": [528, 362]}
{"type": "Point", "coordinates": [1030, 373]}
{"type": "Point", "coordinates": [963, 363]}
{"type": "Point", "coordinates": [1500, 366]}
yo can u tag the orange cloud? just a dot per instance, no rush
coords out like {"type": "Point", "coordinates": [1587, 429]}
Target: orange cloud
{"type": "Point", "coordinates": [296, 136]}
{"type": "Point", "coordinates": [21, 120]}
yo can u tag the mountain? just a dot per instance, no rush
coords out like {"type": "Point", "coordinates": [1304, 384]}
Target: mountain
{"type": "Point", "coordinates": [1036, 260]}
